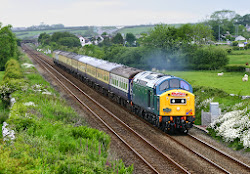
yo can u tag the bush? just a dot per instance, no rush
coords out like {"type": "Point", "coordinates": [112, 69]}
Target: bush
{"type": "Point", "coordinates": [247, 46]}
{"type": "Point", "coordinates": [235, 43]}
{"type": "Point", "coordinates": [13, 70]}
{"type": "Point", "coordinates": [235, 68]}
{"type": "Point", "coordinates": [209, 58]}
{"type": "Point", "coordinates": [229, 51]}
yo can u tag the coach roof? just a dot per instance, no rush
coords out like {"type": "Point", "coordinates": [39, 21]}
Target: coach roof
{"type": "Point", "coordinates": [125, 71]}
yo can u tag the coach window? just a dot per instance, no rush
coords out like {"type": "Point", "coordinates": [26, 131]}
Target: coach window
{"type": "Point", "coordinates": [164, 86]}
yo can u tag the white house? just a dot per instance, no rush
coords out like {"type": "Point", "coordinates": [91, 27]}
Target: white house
{"type": "Point", "coordinates": [84, 41]}
{"type": "Point", "coordinates": [239, 38]}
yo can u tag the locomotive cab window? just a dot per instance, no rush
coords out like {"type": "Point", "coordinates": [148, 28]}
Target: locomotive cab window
{"type": "Point", "coordinates": [184, 85]}
{"type": "Point", "coordinates": [174, 83]}
{"type": "Point", "coordinates": [164, 86]}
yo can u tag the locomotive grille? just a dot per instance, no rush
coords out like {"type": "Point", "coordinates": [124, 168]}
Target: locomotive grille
{"type": "Point", "coordinates": [178, 101]}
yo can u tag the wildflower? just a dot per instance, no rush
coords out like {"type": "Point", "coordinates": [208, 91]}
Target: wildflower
{"type": "Point", "coordinates": [234, 125]}
{"type": "Point", "coordinates": [27, 65]}
{"type": "Point", "coordinates": [205, 102]}
{"type": "Point", "coordinates": [46, 92]}
{"type": "Point", "coordinates": [8, 134]}
{"type": "Point", "coordinates": [29, 104]}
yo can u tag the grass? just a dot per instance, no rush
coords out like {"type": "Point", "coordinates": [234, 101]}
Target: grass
{"type": "Point", "coordinates": [1, 75]}
{"type": "Point", "coordinates": [3, 111]}
{"type": "Point", "coordinates": [230, 82]}
{"type": "Point", "coordinates": [135, 30]}
{"type": "Point", "coordinates": [32, 34]}
{"type": "Point", "coordinates": [51, 137]}
{"type": "Point", "coordinates": [241, 52]}
{"type": "Point", "coordinates": [239, 59]}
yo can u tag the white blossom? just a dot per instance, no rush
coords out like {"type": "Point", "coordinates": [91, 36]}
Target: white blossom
{"type": "Point", "coordinates": [232, 125]}
{"type": "Point", "coordinates": [46, 92]}
{"type": "Point", "coordinates": [36, 88]}
{"type": "Point", "coordinates": [8, 134]}
{"type": "Point", "coordinates": [245, 139]}
{"type": "Point", "coordinates": [27, 65]}
{"type": "Point", "coordinates": [29, 104]}
{"type": "Point", "coordinates": [12, 102]}
{"type": "Point", "coordinates": [205, 102]}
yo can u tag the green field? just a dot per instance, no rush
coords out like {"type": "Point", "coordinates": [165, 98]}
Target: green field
{"type": "Point", "coordinates": [31, 34]}
{"type": "Point", "coordinates": [135, 30]}
{"type": "Point", "coordinates": [230, 82]}
{"type": "Point", "coordinates": [239, 57]}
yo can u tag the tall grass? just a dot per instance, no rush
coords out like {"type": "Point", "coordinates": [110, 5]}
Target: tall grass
{"type": "Point", "coordinates": [51, 137]}
{"type": "Point", "coordinates": [1, 75]}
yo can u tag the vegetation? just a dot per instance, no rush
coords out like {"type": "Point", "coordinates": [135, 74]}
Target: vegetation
{"type": "Point", "coordinates": [8, 45]}
{"type": "Point", "coordinates": [49, 136]}
{"type": "Point", "coordinates": [59, 40]}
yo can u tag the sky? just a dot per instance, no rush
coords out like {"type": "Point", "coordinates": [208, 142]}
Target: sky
{"type": "Point", "coordinates": [25, 13]}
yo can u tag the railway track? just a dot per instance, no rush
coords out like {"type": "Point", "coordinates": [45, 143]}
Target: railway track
{"type": "Point", "coordinates": [128, 136]}
{"type": "Point", "coordinates": [225, 162]}
{"type": "Point", "coordinates": [146, 151]}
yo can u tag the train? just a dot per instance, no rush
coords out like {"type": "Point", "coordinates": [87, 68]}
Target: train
{"type": "Point", "coordinates": [163, 100]}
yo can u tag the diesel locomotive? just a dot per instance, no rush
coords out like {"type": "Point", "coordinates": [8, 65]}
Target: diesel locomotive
{"type": "Point", "coordinates": [165, 101]}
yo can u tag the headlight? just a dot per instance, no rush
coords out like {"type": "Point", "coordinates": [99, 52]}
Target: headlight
{"type": "Point", "coordinates": [178, 101]}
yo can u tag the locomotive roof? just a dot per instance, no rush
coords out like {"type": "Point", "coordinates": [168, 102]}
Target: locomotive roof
{"type": "Point", "coordinates": [150, 79]}
{"type": "Point", "coordinates": [125, 71]}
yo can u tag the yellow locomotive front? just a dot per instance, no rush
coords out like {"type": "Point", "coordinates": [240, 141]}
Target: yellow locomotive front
{"type": "Point", "coordinates": [177, 110]}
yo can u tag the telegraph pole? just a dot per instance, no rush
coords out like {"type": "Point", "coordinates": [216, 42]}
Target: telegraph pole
{"type": "Point", "coordinates": [219, 33]}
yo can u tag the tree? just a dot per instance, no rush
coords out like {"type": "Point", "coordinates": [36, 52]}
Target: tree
{"type": "Point", "coordinates": [130, 38]}
{"type": "Point", "coordinates": [201, 34]}
{"type": "Point", "coordinates": [209, 58]}
{"type": "Point", "coordinates": [117, 39]}
{"type": "Point", "coordinates": [44, 39]}
{"type": "Point", "coordinates": [185, 32]}
{"type": "Point", "coordinates": [8, 45]}
{"type": "Point", "coordinates": [69, 42]}
{"type": "Point", "coordinates": [58, 35]}
{"type": "Point", "coordinates": [104, 34]}
{"type": "Point", "coordinates": [59, 39]}
{"type": "Point", "coordinates": [222, 22]}
{"type": "Point", "coordinates": [223, 15]}
{"type": "Point", "coordinates": [163, 37]}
